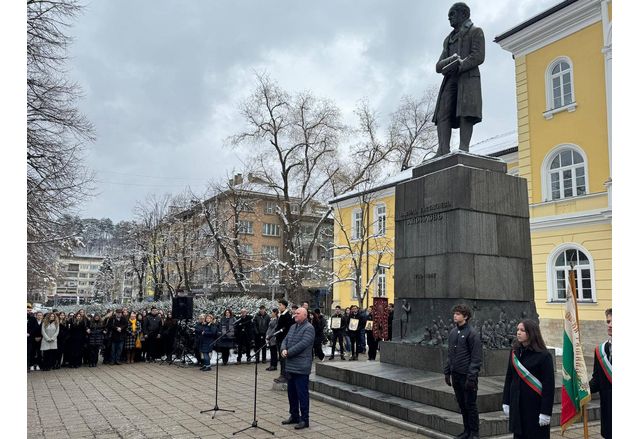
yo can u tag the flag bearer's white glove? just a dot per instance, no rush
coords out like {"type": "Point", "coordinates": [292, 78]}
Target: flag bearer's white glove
{"type": "Point", "coordinates": [505, 409]}
{"type": "Point", "coordinates": [544, 420]}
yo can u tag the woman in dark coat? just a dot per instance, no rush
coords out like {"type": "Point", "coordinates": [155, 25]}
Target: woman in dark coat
{"type": "Point", "coordinates": [208, 333]}
{"type": "Point", "coordinates": [168, 339]}
{"type": "Point", "coordinates": [77, 339]}
{"type": "Point", "coordinates": [319, 323]}
{"type": "Point", "coordinates": [225, 344]}
{"type": "Point", "coordinates": [63, 335]}
{"type": "Point", "coordinates": [529, 385]}
{"type": "Point", "coordinates": [96, 339]}
{"type": "Point", "coordinates": [140, 353]}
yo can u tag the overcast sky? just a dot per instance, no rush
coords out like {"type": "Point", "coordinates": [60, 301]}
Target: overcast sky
{"type": "Point", "coordinates": [163, 80]}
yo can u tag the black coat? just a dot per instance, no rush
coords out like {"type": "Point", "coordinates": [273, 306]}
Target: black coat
{"type": "Point", "coordinates": [244, 329]}
{"type": "Point", "coordinates": [208, 333]}
{"type": "Point", "coordinates": [362, 322]}
{"type": "Point", "coordinates": [318, 325]}
{"type": "Point", "coordinates": [121, 323]}
{"type": "Point", "coordinates": [261, 323]}
{"type": "Point", "coordinates": [525, 405]}
{"type": "Point", "coordinates": [464, 355]}
{"type": "Point", "coordinates": [600, 384]}
{"type": "Point", "coordinates": [226, 327]}
{"type": "Point", "coordinates": [285, 320]}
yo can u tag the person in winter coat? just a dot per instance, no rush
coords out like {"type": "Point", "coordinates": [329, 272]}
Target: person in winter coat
{"type": "Point", "coordinates": [529, 385]}
{"type": "Point", "coordinates": [49, 345]}
{"type": "Point", "coordinates": [32, 329]}
{"type": "Point", "coordinates": [78, 332]}
{"type": "Point", "coordinates": [338, 332]}
{"type": "Point", "coordinates": [63, 336]}
{"type": "Point", "coordinates": [169, 332]}
{"type": "Point", "coordinates": [285, 321]}
{"type": "Point", "coordinates": [118, 329]}
{"type": "Point", "coordinates": [297, 348]}
{"type": "Point", "coordinates": [132, 337]}
{"type": "Point", "coordinates": [372, 340]}
{"type": "Point", "coordinates": [208, 333]}
{"type": "Point", "coordinates": [227, 331]}
{"type": "Point", "coordinates": [196, 339]}
{"type": "Point", "coordinates": [260, 326]}
{"type": "Point", "coordinates": [151, 329]}
{"type": "Point", "coordinates": [464, 359]}
{"type": "Point", "coordinates": [357, 322]}
{"type": "Point", "coordinates": [601, 379]}
{"type": "Point", "coordinates": [273, 344]}
{"type": "Point", "coordinates": [97, 333]}
{"type": "Point", "coordinates": [319, 323]}
{"type": "Point", "coordinates": [244, 334]}
{"type": "Point", "coordinates": [36, 354]}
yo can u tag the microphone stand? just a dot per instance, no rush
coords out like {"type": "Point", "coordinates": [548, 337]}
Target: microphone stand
{"type": "Point", "coordinates": [215, 407]}
{"type": "Point", "coordinates": [254, 424]}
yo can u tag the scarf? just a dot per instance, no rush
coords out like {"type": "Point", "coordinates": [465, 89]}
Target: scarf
{"type": "Point", "coordinates": [133, 322]}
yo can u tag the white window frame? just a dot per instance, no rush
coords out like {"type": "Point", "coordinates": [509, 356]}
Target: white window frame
{"type": "Point", "coordinates": [552, 296]}
{"type": "Point", "coordinates": [246, 249]}
{"type": "Point", "coordinates": [381, 219]}
{"type": "Point", "coordinates": [354, 293]}
{"type": "Point", "coordinates": [271, 251]}
{"type": "Point", "coordinates": [565, 106]}
{"type": "Point", "coordinates": [270, 229]}
{"type": "Point", "coordinates": [270, 208]}
{"type": "Point", "coordinates": [545, 172]}
{"type": "Point", "coordinates": [242, 230]}
{"type": "Point", "coordinates": [381, 281]}
{"type": "Point", "coordinates": [356, 224]}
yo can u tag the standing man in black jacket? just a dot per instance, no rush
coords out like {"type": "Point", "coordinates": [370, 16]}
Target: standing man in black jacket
{"type": "Point", "coordinates": [601, 380]}
{"type": "Point", "coordinates": [244, 334]}
{"type": "Point", "coordinates": [151, 327]}
{"type": "Point", "coordinates": [285, 320]}
{"type": "Point", "coordinates": [463, 365]}
{"type": "Point", "coordinates": [260, 325]}
{"type": "Point", "coordinates": [118, 327]}
{"type": "Point", "coordinates": [338, 333]}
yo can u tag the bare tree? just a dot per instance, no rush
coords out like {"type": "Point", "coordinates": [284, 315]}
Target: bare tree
{"type": "Point", "coordinates": [362, 249]}
{"type": "Point", "coordinates": [412, 135]}
{"type": "Point", "coordinates": [298, 139]}
{"type": "Point", "coordinates": [56, 134]}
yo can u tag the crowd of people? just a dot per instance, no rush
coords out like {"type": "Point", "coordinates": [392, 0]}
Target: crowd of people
{"type": "Point", "coordinates": [56, 339]}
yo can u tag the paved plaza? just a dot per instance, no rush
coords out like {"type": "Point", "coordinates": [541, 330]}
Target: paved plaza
{"type": "Point", "coordinates": [164, 401]}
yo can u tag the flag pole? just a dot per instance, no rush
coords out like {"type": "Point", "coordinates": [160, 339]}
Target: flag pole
{"type": "Point", "coordinates": [572, 283]}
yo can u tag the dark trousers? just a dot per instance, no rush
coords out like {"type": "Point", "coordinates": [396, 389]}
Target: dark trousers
{"type": "Point", "coordinates": [225, 355]}
{"type": "Point", "coordinates": [355, 344]}
{"type": "Point", "coordinates": [362, 341]}
{"type": "Point", "coordinates": [29, 350]}
{"type": "Point", "coordinates": [372, 342]}
{"type": "Point", "coordinates": [273, 352]}
{"type": "Point", "coordinates": [94, 350]}
{"type": "Point", "coordinates": [317, 349]}
{"type": "Point", "coordinates": [153, 346]}
{"type": "Point", "coordinates": [244, 347]}
{"type": "Point", "coordinates": [282, 359]}
{"type": "Point", "coordinates": [467, 402]}
{"type": "Point", "coordinates": [260, 341]}
{"type": "Point", "coordinates": [36, 354]}
{"type": "Point", "coordinates": [116, 350]}
{"type": "Point", "coordinates": [339, 337]}
{"type": "Point", "coordinates": [49, 359]}
{"type": "Point", "coordinates": [298, 392]}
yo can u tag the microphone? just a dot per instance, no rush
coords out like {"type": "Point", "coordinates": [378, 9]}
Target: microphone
{"type": "Point", "coordinates": [276, 333]}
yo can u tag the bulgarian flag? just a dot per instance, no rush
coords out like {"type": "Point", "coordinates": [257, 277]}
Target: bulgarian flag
{"type": "Point", "coordinates": [575, 380]}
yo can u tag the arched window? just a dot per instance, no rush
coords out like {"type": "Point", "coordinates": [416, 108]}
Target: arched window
{"type": "Point", "coordinates": [560, 263]}
{"type": "Point", "coordinates": [559, 89]}
{"type": "Point", "coordinates": [564, 173]}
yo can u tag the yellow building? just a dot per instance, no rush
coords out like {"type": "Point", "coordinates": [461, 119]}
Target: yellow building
{"type": "Point", "coordinates": [563, 91]}
{"type": "Point", "coordinates": [364, 234]}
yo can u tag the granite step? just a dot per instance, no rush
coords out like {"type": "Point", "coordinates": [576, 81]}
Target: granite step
{"type": "Point", "coordinates": [415, 385]}
{"type": "Point", "coordinates": [431, 417]}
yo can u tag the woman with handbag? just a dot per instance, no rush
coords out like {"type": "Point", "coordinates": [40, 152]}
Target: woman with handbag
{"type": "Point", "coordinates": [132, 338]}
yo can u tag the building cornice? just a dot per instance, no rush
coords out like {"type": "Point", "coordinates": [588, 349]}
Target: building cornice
{"type": "Point", "coordinates": [356, 199]}
{"type": "Point", "coordinates": [599, 216]}
{"type": "Point", "coordinates": [552, 25]}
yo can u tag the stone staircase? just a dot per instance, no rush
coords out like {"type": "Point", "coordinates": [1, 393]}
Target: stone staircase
{"type": "Point", "coordinates": [418, 397]}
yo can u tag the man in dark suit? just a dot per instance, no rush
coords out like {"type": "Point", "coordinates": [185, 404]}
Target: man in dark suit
{"type": "Point", "coordinates": [285, 320]}
{"type": "Point", "coordinates": [459, 103]}
{"type": "Point", "coordinates": [601, 379]}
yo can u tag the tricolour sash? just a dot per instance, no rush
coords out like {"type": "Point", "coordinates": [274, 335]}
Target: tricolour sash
{"type": "Point", "coordinates": [525, 375]}
{"type": "Point", "coordinates": [601, 355]}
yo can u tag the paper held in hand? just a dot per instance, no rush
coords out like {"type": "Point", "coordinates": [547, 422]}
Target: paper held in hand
{"type": "Point", "coordinates": [369, 325]}
{"type": "Point", "coordinates": [353, 324]}
{"type": "Point", "coordinates": [336, 322]}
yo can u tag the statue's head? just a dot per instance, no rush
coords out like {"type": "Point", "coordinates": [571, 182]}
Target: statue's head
{"type": "Point", "coordinates": [458, 14]}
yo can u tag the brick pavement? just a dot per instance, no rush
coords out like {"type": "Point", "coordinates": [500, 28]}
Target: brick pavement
{"type": "Point", "coordinates": [161, 401]}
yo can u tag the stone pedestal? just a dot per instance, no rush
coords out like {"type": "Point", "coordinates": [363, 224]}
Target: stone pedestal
{"type": "Point", "coordinates": [462, 235]}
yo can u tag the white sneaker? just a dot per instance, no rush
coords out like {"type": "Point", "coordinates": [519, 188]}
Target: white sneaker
{"type": "Point", "coordinates": [32, 368]}
{"type": "Point", "coordinates": [37, 367]}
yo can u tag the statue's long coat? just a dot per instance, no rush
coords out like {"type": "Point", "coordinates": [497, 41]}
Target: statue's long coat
{"type": "Point", "coordinates": [470, 47]}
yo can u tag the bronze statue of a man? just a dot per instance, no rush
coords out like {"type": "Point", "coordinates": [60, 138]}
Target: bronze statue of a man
{"type": "Point", "coordinates": [459, 102]}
